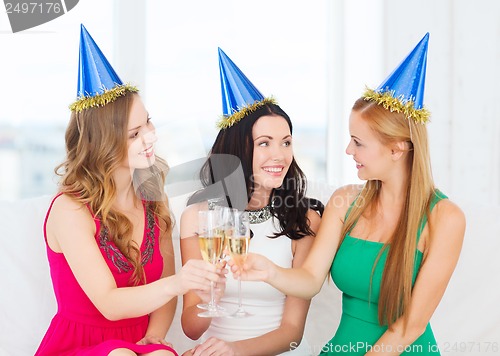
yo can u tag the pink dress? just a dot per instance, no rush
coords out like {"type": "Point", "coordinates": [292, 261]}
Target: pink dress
{"type": "Point", "coordinates": [78, 328]}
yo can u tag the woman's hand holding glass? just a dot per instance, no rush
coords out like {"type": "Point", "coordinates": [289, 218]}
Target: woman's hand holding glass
{"type": "Point", "coordinates": [219, 288]}
{"type": "Point", "coordinates": [195, 275]}
{"type": "Point", "coordinates": [255, 268]}
{"type": "Point", "coordinates": [238, 241]}
{"type": "Point", "coordinates": [211, 240]}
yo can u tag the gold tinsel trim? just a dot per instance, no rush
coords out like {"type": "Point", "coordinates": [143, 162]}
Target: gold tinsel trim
{"type": "Point", "coordinates": [388, 101]}
{"type": "Point", "coordinates": [86, 102]}
{"type": "Point", "coordinates": [228, 121]}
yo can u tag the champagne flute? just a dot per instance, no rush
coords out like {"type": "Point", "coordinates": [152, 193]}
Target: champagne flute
{"type": "Point", "coordinates": [211, 239]}
{"type": "Point", "coordinates": [238, 241]}
{"type": "Point", "coordinates": [222, 212]}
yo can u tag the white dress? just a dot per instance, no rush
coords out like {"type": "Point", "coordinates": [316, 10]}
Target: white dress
{"type": "Point", "coordinates": [264, 302]}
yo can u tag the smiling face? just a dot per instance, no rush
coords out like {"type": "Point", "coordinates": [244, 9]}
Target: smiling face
{"type": "Point", "coordinates": [373, 158]}
{"type": "Point", "coordinates": [272, 152]}
{"type": "Point", "coordinates": [140, 137]}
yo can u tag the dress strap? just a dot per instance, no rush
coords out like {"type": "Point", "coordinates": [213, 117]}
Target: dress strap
{"type": "Point", "coordinates": [47, 216]}
{"type": "Point", "coordinates": [436, 198]}
{"type": "Point", "coordinates": [350, 207]}
{"type": "Point", "coordinates": [349, 211]}
{"type": "Point", "coordinates": [96, 219]}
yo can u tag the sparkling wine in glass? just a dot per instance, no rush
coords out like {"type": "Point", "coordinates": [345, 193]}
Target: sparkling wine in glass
{"type": "Point", "coordinates": [238, 241]}
{"type": "Point", "coordinates": [222, 211]}
{"type": "Point", "coordinates": [211, 240]}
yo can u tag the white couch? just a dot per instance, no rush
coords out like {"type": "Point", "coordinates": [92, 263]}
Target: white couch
{"type": "Point", "coordinates": [467, 322]}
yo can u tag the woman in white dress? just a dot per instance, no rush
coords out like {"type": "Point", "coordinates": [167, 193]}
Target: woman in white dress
{"type": "Point", "coordinates": [283, 224]}
{"type": "Point", "coordinates": [255, 139]}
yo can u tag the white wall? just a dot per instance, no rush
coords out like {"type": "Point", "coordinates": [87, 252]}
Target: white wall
{"type": "Point", "coordinates": [462, 82]}
{"type": "Point", "coordinates": [315, 71]}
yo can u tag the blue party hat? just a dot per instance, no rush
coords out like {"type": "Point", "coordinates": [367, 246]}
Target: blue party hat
{"type": "Point", "coordinates": [403, 90]}
{"type": "Point", "coordinates": [239, 95]}
{"type": "Point", "coordinates": [98, 83]}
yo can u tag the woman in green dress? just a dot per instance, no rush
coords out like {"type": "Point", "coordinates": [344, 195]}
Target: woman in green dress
{"type": "Point", "coordinates": [390, 245]}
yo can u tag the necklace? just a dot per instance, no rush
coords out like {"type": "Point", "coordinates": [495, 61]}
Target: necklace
{"type": "Point", "coordinates": [260, 215]}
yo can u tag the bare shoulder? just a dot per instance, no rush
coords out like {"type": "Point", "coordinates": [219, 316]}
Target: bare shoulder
{"type": "Point", "coordinates": [448, 219]}
{"type": "Point", "coordinates": [67, 210]}
{"type": "Point", "coordinates": [446, 209]}
{"type": "Point", "coordinates": [342, 198]}
{"type": "Point", "coordinates": [350, 191]}
{"type": "Point", "coordinates": [314, 219]}
{"type": "Point", "coordinates": [191, 211]}
{"type": "Point", "coordinates": [194, 207]}
{"type": "Point", "coordinates": [189, 219]}
{"type": "Point", "coordinates": [65, 201]}
{"type": "Point", "coordinates": [69, 221]}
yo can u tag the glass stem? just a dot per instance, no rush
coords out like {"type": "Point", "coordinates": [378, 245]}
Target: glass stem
{"type": "Point", "coordinates": [239, 294]}
{"type": "Point", "coordinates": [211, 305]}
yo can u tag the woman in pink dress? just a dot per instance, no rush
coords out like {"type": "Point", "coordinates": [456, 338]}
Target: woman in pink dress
{"type": "Point", "coordinates": [108, 231]}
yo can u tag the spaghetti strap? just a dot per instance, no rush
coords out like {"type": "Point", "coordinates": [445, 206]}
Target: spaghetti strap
{"type": "Point", "coordinates": [47, 216]}
{"type": "Point", "coordinates": [437, 196]}
{"type": "Point", "coordinates": [96, 219]}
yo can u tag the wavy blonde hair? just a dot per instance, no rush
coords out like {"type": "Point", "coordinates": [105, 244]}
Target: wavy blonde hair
{"type": "Point", "coordinates": [96, 145]}
{"type": "Point", "coordinates": [392, 127]}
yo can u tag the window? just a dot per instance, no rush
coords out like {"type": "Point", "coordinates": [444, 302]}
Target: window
{"type": "Point", "coordinates": [279, 45]}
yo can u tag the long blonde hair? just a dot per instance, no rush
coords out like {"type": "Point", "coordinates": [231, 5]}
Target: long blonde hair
{"type": "Point", "coordinates": [96, 145]}
{"type": "Point", "coordinates": [392, 127]}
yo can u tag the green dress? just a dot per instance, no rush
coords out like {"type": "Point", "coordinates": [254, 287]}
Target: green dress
{"type": "Point", "coordinates": [351, 270]}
